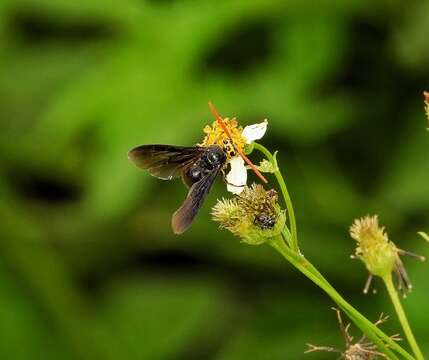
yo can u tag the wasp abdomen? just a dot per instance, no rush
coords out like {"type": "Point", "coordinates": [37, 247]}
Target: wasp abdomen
{"type": "Point", "coordinates": [212, 159]}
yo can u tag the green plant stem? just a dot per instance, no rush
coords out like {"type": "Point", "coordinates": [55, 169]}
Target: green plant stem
{"type": "Point", "coordinates": [354, 314]}
{"type": "Point", "coordinates": [401, 316]}
{"type": "Point", "coordinates": [293, 255]}
{"type": "Point", "coordinates": [371, 330]}
{"type": "Point", "coordinates": [285, 193]}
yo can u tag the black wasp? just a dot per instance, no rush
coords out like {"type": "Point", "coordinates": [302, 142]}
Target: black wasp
{"type": "Point", "coordinates": [197, 165]}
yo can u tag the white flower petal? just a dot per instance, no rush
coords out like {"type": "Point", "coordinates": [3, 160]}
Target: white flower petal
{"type": "Point", "coordinates": [254, 132]}
{"type": "Point", "coordinates": [237, 176]}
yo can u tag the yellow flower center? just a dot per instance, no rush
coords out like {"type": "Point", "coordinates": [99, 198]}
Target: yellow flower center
{"type": "Point", "coordinates": [215, 135]}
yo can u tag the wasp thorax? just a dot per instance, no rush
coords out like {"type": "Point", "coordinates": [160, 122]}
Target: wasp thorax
{"type": "Point", "coordinates": [214, 156]}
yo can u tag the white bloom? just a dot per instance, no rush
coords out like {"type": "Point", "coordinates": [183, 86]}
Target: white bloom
{"type": "Point", "coordinates": [237, 176]}
{"type": "Point", "coordinates": [254, 132]}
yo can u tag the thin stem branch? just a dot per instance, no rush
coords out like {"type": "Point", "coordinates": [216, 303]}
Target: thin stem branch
{"type": "Point", "coordinates": [285, 193]}
{"type": "Point", "coordinates": [290, 251]}
{"type": "Point", "coordinates": [401, 316]}
{"type": "Point", "coordinates": [373, 332]}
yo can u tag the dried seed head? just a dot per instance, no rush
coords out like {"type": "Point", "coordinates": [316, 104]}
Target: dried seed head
{"type": "Point", "coordinates": [254, 215]}
{"type": "Point", "coordinates": [360, 350]}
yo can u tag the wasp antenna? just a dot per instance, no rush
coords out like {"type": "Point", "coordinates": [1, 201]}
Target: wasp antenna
{"type": "Point", "coordinates": [225, 129]}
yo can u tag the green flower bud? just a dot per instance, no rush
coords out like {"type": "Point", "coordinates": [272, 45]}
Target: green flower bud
{"type": "Point", "coordinates": [254, 215]}
{"type": "Point", "coordinates": [266, 167]}
{"type": "Point", "coordinates": [379, 254]}
{"type": "Point", "coordinates": [374, 248]}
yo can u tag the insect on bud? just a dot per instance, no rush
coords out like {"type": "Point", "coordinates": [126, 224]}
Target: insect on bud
{"type": "Point", "coordinates": [254, 215]}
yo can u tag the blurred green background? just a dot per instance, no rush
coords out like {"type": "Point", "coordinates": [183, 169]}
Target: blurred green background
{"type": "Point", "coordinates": [89, 267]}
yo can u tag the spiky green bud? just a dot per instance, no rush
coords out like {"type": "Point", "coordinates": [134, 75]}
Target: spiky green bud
{"type": "Point", "coordinates": [267, 167]}
{"type": "Point", "coordinates": [374, 248]}
{"type": "Point", "coordinates": [379, 254]}
{"type": "Point", "coordinates": [254, 215]}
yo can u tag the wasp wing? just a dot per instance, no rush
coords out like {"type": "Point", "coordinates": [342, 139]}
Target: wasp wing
{"type": "Point", "coordinates": [185, 215]}
{"type": "Point", "coordinates": [164, 161]}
